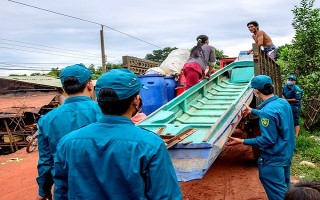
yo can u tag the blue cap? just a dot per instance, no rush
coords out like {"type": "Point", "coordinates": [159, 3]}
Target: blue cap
{"type": "Point", "coordinates": [122, 81]}
{"type": "Point", "coordinates": [79, 71]}
{"type": "Point", "coordinates": [293, 77]}
{"type": "Point", "coordinates": [258, 82]}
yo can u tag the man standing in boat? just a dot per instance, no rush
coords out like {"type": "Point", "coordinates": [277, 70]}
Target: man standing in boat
{"type": "Point", "coordinates": [277, 140]}
{"type": "Point", "coordinates": [262, 39]}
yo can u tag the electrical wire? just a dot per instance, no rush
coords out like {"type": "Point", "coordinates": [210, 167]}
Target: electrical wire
{"type": "Point", "coordinates": [85, 21]}
{"type": "Point", "coordinates": [46, 53]}
{"type": "Point", "coordinates": [22, 69]}
{"type": "Point", "coordinates": [98, 55]}
{"type": "Point", "coordinates": [39, 63]}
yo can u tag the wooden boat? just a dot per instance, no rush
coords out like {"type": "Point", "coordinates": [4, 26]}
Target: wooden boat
{"type": "Point", "coordinates": [196, 124]}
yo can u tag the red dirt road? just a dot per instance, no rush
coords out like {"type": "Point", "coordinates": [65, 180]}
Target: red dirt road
{"type": "Point", "coordinates": [233, 176]}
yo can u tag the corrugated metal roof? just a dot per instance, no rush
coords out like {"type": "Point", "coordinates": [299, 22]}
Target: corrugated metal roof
{"type": "Point", "coordinates": [39, 80]}
{"type": "Point", "coordinates": [30, 102]}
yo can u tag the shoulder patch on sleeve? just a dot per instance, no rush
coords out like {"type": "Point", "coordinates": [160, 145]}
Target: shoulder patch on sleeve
{"type": "Point", "coordinates": [265, 122]}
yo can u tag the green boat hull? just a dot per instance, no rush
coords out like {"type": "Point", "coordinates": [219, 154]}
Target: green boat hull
{"type": "Point", "coordinates": [211, 110]}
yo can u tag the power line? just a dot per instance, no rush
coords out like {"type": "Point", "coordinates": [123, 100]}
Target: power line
{"type": "Point", "coordinates": [22, 69]}
{"type": "Point", "coordinates": [45, 53]}
{"type": "Point", "coordinates": [35, 63]}
{"type": "Point", "coordinates": [40, 63]}
{"type": "Point", "coordinates": [27, 67]}
{"type": "Point", "coordinates": [48, 50]}
{"type": "Point", "coordinates": [64, 50]}
{"type": "Point", "coordinates": [11, 67]}
{"type": "Point", "coordinates": [49, 47]}
{"type": "Point", "coordinates": [85, 21]}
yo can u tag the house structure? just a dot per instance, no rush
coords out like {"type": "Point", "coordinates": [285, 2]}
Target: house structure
{"type": "Point", "coordinates": [23, 99]}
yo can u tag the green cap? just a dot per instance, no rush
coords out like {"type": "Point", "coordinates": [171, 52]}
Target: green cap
{"type": "Point", "coordinates": [79, 71]}
{"type": "Point", "coordinates": [258, 82]}
{"type": "Point", "coordinates": [122, 81]}
{"type": "Point", "coordinates": [293, 77]}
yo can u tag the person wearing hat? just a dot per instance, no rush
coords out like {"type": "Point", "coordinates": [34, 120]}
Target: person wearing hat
{"type": "Point", "coordinates": [276, 142]}
{"type": "Point", "coordinates": [201, 56]}
{"type": "Point", "coordinates": [293, 94]}
{"type": "Point", "coordinates": [77, 111]}
{"type": "Point", "coordinates": [113, 158]}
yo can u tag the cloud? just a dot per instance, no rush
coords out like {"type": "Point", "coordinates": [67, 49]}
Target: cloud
{"type": "Point", "coordinates": [164, 23]}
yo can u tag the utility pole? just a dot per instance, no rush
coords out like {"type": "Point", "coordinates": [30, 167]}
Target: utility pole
{"type": "Point", "coordinates": [103, 55]}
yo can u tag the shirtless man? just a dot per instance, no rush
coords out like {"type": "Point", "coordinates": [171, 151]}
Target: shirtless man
{"type": "Point", "coordinates": [260, 37]}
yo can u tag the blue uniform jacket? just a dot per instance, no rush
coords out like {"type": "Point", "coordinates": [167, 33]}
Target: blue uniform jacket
{"type": "Point", "coordinates": [76, 112]}
{"type": "Point", "coordinates": [277, 140]}
{"type": "Point", "coordinates": [292, 93]}
{"type": "Point", "coordinates": [114, 159]}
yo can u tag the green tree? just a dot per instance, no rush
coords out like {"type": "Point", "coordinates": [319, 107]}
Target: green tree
{"type": "Point", "coordinates": [92, 69]}
{"type": "Point", "coordinates": [55, 72]}
{"type": "Point", "coordinates": [159, 55]}
{"type": "Point", "coordinates": [36, 74]}
{"type": "Point", "coordinates": [304, 56]}
{"type": "Point", "coordinates": [97, 72]}
{"type": "Point", "coordinates": [114, 66]}
{"type": "Point", "coordinates": [283, 60]}
{"type": "Point", "coordinates": [17, 74]}
{"type": "Point", "coordinates": [220, 54]}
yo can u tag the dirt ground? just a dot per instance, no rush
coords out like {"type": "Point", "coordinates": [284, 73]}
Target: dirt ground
{"type": "Point", "coordinates": [233, 176]}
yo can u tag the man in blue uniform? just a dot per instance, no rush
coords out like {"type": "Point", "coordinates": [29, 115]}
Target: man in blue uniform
{"type": "Point", "coordinates": [293, 94]}
{"type": "Point", "coordinates": [77, 111]}
{"type": "Point", "coordinates": [112, 158]}
{"type": "Point", "coordinates": [277, 140]}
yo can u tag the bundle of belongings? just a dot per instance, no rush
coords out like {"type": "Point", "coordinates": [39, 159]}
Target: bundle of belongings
{"type": "Point", "coordinates": [173, 64]}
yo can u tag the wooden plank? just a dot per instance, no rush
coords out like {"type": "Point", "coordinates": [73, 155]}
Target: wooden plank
{"type": "Point", "coordinates": [176, 139]}
{"type": "Point", "coordinates": [12, 140]}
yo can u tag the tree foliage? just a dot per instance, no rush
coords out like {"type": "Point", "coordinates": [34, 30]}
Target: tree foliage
{"type": "Point", "coordinates": [17, 74]}
{"type": "Point", "coordinates": [302, 57]}
{"type": "Point", "coordinates": [55, 72]}
{"type": "Point", "coordinates": [220, 54]}
{"type": "Point", "coordinates": [36, 74]}
{"type": "Point", "coordinates": [96, 71]}
{"type": "Point", "coordinates": [159, 55]}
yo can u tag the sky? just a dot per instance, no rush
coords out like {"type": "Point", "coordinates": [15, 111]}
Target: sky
{"type": "Point", "coordinates": [34, 40]}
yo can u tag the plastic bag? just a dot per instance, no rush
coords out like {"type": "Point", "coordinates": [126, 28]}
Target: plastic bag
{"type": "Point", "coordinates": [173, 64]}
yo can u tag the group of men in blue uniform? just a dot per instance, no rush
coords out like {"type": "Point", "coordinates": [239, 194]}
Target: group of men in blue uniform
{"type": "Point", "coordinates": [92, 150]}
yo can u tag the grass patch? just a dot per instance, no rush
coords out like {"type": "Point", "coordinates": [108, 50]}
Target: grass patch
{"type": "Point", "coordinates": [307, 149]}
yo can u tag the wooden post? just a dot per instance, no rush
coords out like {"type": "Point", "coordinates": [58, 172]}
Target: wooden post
{"type": "Point", "coordinates": [265, 65]}
{"type": "Point", "coordinates": [11, 138]}
{"type": "Point", "coordinates": [256, 59]}
{"type": "Point", "coordinates": [103, 55]}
